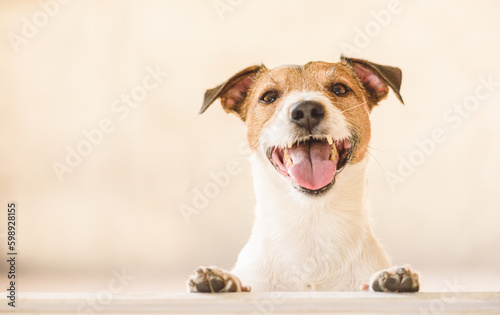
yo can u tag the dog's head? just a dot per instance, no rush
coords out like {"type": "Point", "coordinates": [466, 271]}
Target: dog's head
{"type": "Point", "coordinates": [309, 121]}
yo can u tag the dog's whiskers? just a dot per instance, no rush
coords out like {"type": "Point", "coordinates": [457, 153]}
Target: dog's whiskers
{"type": "Point", "coordinates": [378, 163]}
{"type": "Point", "coordinates": [380, 150]}
{"type": "Point", "coordinates": [354, 107]}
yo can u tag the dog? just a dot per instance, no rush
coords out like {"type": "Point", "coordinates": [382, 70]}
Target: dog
{"type": "Point", "coordinates": [309, 129]}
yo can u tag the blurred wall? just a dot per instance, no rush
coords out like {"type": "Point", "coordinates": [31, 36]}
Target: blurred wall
{"type": "Point", "coordinates": [101, 144]}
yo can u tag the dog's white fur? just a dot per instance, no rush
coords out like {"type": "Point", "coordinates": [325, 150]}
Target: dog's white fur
{"type": "Point", "coordinates": [304, 243]}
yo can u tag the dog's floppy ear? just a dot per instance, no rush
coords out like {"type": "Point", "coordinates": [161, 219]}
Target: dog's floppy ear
{"type": "Point", "coordinates": [377, 79]}
{"type": "Point", "coordinates": [232, 93]}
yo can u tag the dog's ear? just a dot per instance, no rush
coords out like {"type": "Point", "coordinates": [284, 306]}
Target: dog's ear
{"type": "Point", "coordinates": [377, 79]}
{"type": "Point", "coordinates": [232, 93]}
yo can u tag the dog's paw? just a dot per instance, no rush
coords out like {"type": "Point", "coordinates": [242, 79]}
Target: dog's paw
{"type": "Point", "coordinates": [215, 280]}
{"type": "Point", "coordinates": [395, 279]}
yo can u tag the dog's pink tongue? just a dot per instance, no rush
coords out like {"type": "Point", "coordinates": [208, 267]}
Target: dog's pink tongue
{"type": "Point", "coordinates": [311, 167]}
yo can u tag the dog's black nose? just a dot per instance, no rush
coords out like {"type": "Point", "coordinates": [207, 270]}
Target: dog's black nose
{"type": "Point", "coordinates": [307, 114]}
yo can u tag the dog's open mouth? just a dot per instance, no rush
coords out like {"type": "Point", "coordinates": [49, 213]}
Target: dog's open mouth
{"type": "Point", "coordinates": [312, 162]}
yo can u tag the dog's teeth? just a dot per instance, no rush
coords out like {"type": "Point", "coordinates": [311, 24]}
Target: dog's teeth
{"type": "Point", "coordinates": [286, 158]}
{"type": "Point", "coordinates": [290, 144]}
{"type": "Point", "coordinates": [329, 139]}
{"type": "Point", "coordinates": [334, 155]}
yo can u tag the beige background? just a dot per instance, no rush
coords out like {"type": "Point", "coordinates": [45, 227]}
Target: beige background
{"type": "Point", "coordinates": [120, 207]}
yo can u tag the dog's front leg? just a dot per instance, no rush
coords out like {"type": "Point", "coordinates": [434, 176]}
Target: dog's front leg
{"type": "Point", "coordinates": [215, 280]}
{"type": "Point", "coordinates": [394, 279]}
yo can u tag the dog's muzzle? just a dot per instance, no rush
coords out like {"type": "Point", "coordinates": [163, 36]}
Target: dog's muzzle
{"type": "Point", "coordinates": [312, 161]}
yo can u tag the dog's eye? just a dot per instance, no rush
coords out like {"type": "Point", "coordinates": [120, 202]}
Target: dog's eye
{"type": "Point", "coordinates": [269, 97]}
{"type": "Point", "coordinates": [340, 89]}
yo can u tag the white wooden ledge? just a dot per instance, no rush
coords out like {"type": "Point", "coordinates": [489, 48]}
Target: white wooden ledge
{"type": "Point", "coordinates": [257, 303]}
